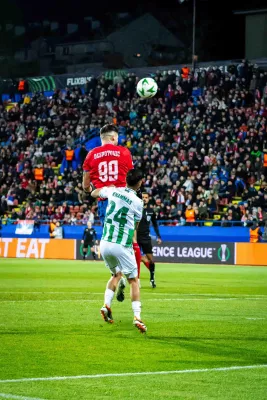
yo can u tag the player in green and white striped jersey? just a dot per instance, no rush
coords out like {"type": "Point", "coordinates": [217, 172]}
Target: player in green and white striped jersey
{"type": "Point", "coordinates": [123, 214]}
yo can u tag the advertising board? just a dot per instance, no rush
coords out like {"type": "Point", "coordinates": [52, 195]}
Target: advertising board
{"type": "Point", "coordinates": [195, 253]}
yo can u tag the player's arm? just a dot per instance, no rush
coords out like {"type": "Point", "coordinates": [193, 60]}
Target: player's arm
{"type": "Point", "coordinates": [156, 227]}
{"type": "Point", "coordinates": [96, 193]}
{"type": "Point", "coordinates": [103, 192]}
{"type": "Point", "coordinates": [84, 234]}
{"type": "Point", "coordinates": [138, 212]}
{"type": "Point", "coordinates": [95, 236]}
{"type": "Point", "coordinates": [128, 159]}
{"type": "Point", "coordinates": [87, 185]}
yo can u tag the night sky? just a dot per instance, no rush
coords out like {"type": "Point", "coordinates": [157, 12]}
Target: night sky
{"type": "Point", "coordinates": [216, 23]}
{"type": "Point", "coordinates": [31, 10]}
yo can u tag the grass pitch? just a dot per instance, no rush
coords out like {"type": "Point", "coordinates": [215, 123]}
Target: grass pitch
{"type": "Point", "coordinates": [198, 318]}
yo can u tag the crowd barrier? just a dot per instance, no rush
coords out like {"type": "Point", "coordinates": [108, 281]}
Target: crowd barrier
{"type": "Point", "coordinates": [168, 233]}
{"type": "Point", "coordinates": [171, 252]}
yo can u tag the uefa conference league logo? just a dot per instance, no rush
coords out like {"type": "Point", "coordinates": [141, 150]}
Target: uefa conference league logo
{"type": "Point", "coordinates": [224, 253]}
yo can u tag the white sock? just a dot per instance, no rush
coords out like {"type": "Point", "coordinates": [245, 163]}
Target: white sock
{"type": "Point", "coordinates": [109, 294]}
{"type": "Point", "coordinates": [136, 306]}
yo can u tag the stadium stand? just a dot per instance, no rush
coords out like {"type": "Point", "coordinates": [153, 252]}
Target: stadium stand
{"type": "Point", "coordinates": [201, 142]}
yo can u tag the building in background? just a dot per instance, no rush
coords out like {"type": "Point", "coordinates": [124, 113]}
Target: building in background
{"type": "Point", "coordinates": [146, 38]}
{"type": "Point", "coordinates": [256, 33]}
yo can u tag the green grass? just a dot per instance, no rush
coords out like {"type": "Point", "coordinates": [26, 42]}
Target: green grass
{"type": "Point", "coordinates": [198, 317]}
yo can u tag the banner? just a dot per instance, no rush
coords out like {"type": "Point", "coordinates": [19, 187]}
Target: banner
{"type": "Point", "coordinates": [79, 251]}
{"type": "Point", "coordinates": [194, 253]}
{"type": "Point", "coordinates": [63, 81]}
{"type": "Point", "coordinates": [38, 248]}
{"type": "Point", "coordinates": [41, 84]}
{"type": "Point", "coordinates": [251, 254]}
{"type": "Point", "coordinates": [24, 227]}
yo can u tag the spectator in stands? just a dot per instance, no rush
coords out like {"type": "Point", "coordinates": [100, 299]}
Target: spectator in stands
{"type": "Point", "coordinates": [203, 137]}
{"type": "Point", "coordinates": [69, 154]}
{"type": "Point", "coordinates": [57, 232]}
{"type": "Point", "coordinates": [190, 214]}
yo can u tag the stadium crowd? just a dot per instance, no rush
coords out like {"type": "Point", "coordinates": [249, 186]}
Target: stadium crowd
{"type": "Point", "coordinates": [201, 142]}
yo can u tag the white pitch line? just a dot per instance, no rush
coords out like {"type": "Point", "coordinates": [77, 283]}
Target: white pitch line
{"type": "Point", "coordinates": [158, 294]}
{"type": "Point", "coordinates": [13, 396]}
{"type": "Point", "coordinates": [181, 371]}
{"type": "Point", "coordinates": [146, 300]}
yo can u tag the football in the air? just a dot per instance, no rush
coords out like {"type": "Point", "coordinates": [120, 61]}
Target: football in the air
{"type": "Point", "coordinates": [146, 88]}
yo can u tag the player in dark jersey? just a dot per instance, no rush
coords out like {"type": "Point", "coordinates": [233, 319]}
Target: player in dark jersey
{"type": "Point", "coordinates": [89, 240]}
{"type": "Point", "coordinates": [144, 239]}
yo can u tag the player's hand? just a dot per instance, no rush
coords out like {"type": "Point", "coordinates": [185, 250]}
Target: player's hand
{"type": "Point", "coordinates": [159, 241]}
{"type": "Point", "coordinates": [82, 241]}
{"type": "Point", "coordinates": [96, 242]}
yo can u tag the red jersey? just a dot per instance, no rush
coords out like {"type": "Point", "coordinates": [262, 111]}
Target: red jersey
{"type": "Point", "coordinates": [108, 165]}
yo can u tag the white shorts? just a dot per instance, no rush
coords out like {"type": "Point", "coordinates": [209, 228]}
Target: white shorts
{"type": "Point", "coordinates": [119, 258]}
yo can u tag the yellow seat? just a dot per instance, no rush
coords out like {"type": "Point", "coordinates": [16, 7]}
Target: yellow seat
{"type": "Point", "coordinates": [217, 217]}
{"type": "Point", "coordinates": [59, 177]}
{"type": "Point", "coordinates": [208, 223]}
{"type": "Point", "coordinates": [225, 209]}
{"type": "Point", "coordinates": [257, 187]}
{"type": "Point", "coordinates": [235, 201]}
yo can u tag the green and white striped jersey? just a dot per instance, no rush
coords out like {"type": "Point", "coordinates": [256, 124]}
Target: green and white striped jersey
{"type": "Point", "coordinates": [123, 211]}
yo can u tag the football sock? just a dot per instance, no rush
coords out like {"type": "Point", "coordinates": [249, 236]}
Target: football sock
{"type": "Point", "coordinates": [152, 271]}
{"type": "Point", "coordinates": [137, 254]}
{"type": "Point", "coordinates": [136, 306]}
{"type": "Point", "coordinates": [93, 254]}
{"type": "Point", "coordinates": [147, 264]}
{"type": "Point", "coordinates": [109, 294]}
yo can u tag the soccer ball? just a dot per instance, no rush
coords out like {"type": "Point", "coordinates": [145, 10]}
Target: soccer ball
{"type": "Point", "coordinates": [146, 88]}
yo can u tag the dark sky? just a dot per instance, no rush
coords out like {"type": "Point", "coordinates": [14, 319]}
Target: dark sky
{"type": "Point", "coordinates": [72, 9]}
{"type": "Point", "coordinates": [220, 33]}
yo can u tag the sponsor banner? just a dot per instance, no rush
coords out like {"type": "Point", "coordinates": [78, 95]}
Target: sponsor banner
{"type": "Point", "coordinates": [38, 248]}
{"type": "Point", "coordinates": [79, 251]}
{"type": "Point", "coordinates": [195, 253]}
{"type": "Point", "coordinates": [64, 81]}
{"type": "Point", "coordinates": [41, 84]}
{"type": "Point", "coordinates": [24, 227]}
{"type": "Point", "coordinates": [251, 254]}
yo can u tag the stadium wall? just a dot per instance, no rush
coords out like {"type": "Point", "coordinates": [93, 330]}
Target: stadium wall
{"type": "Point", "coordinates": [168, 233]}
{"type": "Point", "coordinates": [252, 254]}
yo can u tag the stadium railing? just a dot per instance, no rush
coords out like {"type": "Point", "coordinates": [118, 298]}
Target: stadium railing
{"type": "Point", "coordinates": [169, 222]}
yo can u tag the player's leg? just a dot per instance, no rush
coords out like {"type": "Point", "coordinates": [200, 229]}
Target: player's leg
{"type": "Point", "coordinates": [85, 250]}
{"type": "Point", "coordinates": [149, 261]}
{"type": "Point", "coordinates": [136, 304]}
{"type": "Point", "coordinates": [145, 261]}
{"type": "Point", "coordinates": [102, 207]}
{"type": "Point", "coordinates": [137, 253]}
{"type": "Point", "coordinates": [93, 251]}
{"type": "Point", "coordinates": [129, 268]}
{"type": "Point", "coordinates": [151, 269]}
{"type": "Point", "coordinates": [111, 262]}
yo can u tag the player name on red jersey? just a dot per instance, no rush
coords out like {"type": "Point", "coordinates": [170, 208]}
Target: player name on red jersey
{"type": "Point", "coordinates": [107, 153]}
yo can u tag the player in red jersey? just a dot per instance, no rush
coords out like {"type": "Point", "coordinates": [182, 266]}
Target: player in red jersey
{"type": "Point", "coordinates": [107, 165]}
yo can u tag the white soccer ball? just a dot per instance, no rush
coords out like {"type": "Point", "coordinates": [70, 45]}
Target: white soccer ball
{"type": "Point", "coordinates": [146, 88]}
